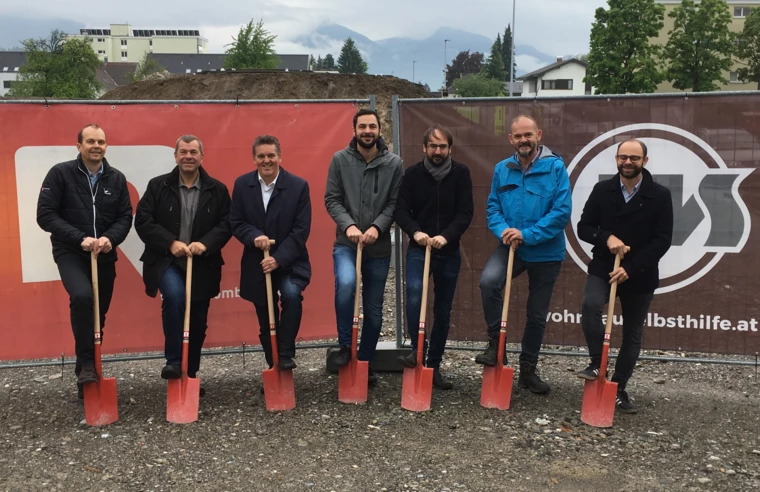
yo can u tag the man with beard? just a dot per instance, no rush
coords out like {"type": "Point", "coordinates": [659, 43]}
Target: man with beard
{"type": "Point", "coordinates": [434, 208]}
{"type": "Point", "coordinates": [630, 215]}
{"type": "Point", "coordinates": [183, 213]}
{"type": "Point", "coordinates": [84, 205]}
{"type": "Point", "coordinates": [271, 203]}
{"type": "Point", "coordinates": [528, 209]}
{"type": "Point", "coordinates": [363, 182]}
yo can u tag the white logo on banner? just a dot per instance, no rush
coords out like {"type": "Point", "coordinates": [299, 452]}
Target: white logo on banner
{"type": "Point", "coordinates": [139, 164]}
{"type": "Point", "coordinates": [709, 216]}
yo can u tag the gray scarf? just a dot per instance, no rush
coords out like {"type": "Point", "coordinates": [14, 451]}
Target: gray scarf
{"type": "Point", "coordinates": [438, 172]}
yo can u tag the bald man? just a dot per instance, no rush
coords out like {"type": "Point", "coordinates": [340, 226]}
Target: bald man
{"type": "Point", "coordinates": [528, 209]}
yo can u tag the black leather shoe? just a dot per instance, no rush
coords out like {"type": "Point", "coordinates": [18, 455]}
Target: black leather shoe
{"type": "Point", "coordinates": [343, 357]}
{"type": "Point", "coordinates": [409, 360]}
{"type": "Point", "coordinates": [440, 382]}
{"type": "Point", "coordinates": [171, 372]}
{"type": "Point", "coordinates": [88, 375]}
{"type": "Point", "coordinates": [286, 363]}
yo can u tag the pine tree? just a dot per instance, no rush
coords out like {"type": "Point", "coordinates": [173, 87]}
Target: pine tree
{"type": "Point", "coordinates": [329, 62]}
{"type": "Point", "coordinates": [506, 47]}
{"type": "Point", "coordinates": [494, 67]}
{"type": "Point", "coordinates": [350, 59]}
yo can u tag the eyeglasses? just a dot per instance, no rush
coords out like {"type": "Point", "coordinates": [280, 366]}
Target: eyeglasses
{"type": "Point", "coordinates": [435, 147]}
{"type": "Point", "coordinates": [634, 158]}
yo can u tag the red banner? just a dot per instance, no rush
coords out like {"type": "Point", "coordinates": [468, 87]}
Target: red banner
{"type": "Point", "coordinates": [34, 314]}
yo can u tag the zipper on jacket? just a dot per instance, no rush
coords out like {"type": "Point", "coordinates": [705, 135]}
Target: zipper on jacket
{"type": "Point", "coordinates": [376, 173]}
{"type": "Point", "coordinates": [438, 208]}
{"type": "Point", "coordinates": [92, 193]}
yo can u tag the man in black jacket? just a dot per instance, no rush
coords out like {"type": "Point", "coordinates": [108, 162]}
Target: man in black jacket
{"type": "Point", "coordinates": [270, 203]}
{"type": "Point", "coordinates": [434, 207]}
{"type": "Point", "coordinates": [632, 215]}
{"type": "Point", "coordinates": [84, 205]}
{"type": "Point", "coordinates": [183, 213]}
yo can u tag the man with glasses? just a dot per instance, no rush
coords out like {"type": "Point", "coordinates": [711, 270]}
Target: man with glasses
{"type": "Point", "coordinates": [630, 215]}
{"type": "Point", "coordinates": [434, 207]}
{"type": "Point", "coordinates": [528, 209]}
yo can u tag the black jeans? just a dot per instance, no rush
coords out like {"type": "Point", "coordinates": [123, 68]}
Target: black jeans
{"type": "Point", "coordinates": [635, 308]}
{"type": "Point", "coordinates": [444, 269]}
{"type": "Point", "coordinates": [287, 320]}
{"type": "Point", "coordinates": [172, 287]}
{"type": "Point", "coordinates": [541, 279]}
{"type": "Point", "coordinates": [76, 274]}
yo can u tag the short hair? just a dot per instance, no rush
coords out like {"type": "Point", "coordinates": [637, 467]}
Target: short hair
{"type": "Point", "coordinates": [364, 112]}
{"type": "Point", "coordinates": [188, 139]}
{"type": "Point", "coordinates": [642, 144]}
{"type": "Point", "coordinates": [439, 129]}
{"type": "Point", "coordinates": [80, 136]}
{"type": "Point", "coordinates": [266, 140]}
{"type": "Point", "coordinates": [518, 117]}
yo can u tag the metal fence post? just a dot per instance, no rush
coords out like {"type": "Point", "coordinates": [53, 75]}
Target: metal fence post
{"type": "Point", "coordinates": [372, 102]}
{"type": "Point", "coordinates": [397, 234]}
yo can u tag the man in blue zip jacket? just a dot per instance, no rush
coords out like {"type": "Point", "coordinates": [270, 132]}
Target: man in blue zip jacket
{"type": "Point", "coordinates": [434, 207]}
{"type": "Point", "coordinates": [84, 205]}
{"type": "Point", "coordinates": [528, 208]}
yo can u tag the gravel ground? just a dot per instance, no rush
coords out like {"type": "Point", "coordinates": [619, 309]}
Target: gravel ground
{"type": "Point", "coordinates": [697, 430]}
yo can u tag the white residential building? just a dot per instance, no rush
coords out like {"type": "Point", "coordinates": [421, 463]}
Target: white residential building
{"type": "Point", "coordinates": [562, 78]}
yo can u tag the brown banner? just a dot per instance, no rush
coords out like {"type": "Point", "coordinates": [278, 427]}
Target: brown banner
{"type": "Point", "coordinates": [704, 148]}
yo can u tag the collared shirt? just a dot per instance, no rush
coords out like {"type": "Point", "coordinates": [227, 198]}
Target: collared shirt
{"type": "Point", "coordinates": [635, 189]}
{"type": "Point", "coordinates": [267, 189]}
{"type": "Point", "coordinates": [189, 202]}
{"type": "Point", "coordinates": [527, 169]}
{"type": "Point", "coordinates": [94, 177]}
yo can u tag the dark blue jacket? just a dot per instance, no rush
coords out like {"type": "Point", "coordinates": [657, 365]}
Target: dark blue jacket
{"type": "Point", "coordinates": [287, 220]}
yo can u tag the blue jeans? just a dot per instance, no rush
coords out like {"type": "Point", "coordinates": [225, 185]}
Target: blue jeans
{"type": "Point", "coordinates": [445, 271]}
{"type": "Point", "coordinates": [172, 287]}
{"type": "Point", "coordinates": [286, 321]}
{"type": "Point", "coordinates": [541, 279]}
{"type": "Point", "coordinates": [374, 274]}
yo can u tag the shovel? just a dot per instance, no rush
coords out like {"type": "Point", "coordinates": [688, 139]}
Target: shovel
{"type": "Point", "coordinates": [100, 402]}
{"type": "Point", "coordinates": [496, 391]}
{"type": "Point", "coordinates": [183, 394]}
{"type": "Point", "coordinates": [279, 390]}
{"type": "Point", "coordinates": [417, 383]}
{"type": "Point", "coordinates": [353, 377]}
{"type": "Point", "coordinates": [599, 395]}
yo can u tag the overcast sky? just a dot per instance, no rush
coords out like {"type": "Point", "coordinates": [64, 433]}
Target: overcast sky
{"type": "Point", "coordinates": [552, 26]}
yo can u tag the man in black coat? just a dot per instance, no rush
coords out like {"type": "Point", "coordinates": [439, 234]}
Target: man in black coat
{"type": "Point", "coordinates": [632, 215]}
{"type": "Point", "coordinates": [183, 213]}
{"type": "Point", "coordinates": [434, 207]}
{"type": "Point", "coordinates": [271, 203]}
{"type": "Point", "coordinates": [84, 205]}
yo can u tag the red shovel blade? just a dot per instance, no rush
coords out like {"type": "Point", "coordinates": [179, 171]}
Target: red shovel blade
{"type": "Point", "coordinates": [182, 398]}
{"type": "Point", "coordinates": [279, 390]}
{"type": "Point", "coordinates": [496, 389]}
{"type": "Point", "coordinates": [417, 388]}
{"type": "Point", "coordinates": [353, 381]}
{"type": "Point", "coordinates": [100, 402]}
{"type": "Point", "coordinates": [598, 407]}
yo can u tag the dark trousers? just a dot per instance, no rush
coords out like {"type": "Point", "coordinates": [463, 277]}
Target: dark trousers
{"type": "Point", "coordinates": [172, 288]}
{"type": "Point", "coordinates": [287, 320]}
{"type": "Point", "coordinates": [541, 279]}
{"type": "Point", "coordinates": [635, 308]}
{"type": "Point", "coordinates": [444, 269]}
{"type": "Point", "coordinates": [76, 274]}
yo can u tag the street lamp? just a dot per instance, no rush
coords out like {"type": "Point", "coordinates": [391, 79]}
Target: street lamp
{"type": "Point", "coordinates": [445, 59]}
{"type": "Point", "coordinates": [413, 63]}
{"type": "Point", "coordinates": [512, 52]}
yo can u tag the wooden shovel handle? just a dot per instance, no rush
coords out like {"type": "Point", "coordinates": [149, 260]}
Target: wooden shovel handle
{"type": "Point", "coordinates": [359, 248]}
{"type": "Point", "coordinates": [95, 295]}
{"type": "Point", "coordinates": [270, 300]}
{"type": "Point", "coordinates": [425, 278]}
{"type": "Point", "coordinates": [188, 292]}
{"type": "Point", "coordinates": [507, 289]}
{"type": "Point", "coordinates": [611, 304]}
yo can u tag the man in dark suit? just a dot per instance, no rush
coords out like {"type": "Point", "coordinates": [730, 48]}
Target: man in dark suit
{"type": "Point", "coordinates": [270, 203]}
{"type": "Point", "coordinates": [630, 215]}
{"type": "Point", "coordinates": [183, 213]}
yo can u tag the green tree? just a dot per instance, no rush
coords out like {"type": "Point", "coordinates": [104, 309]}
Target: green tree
{"type": "Point", "coordinates": [506, 46]}
{"type": "Point", "coordinates": [464, 63]}
{"type": "Point", "coordinates": [350, 59]}
{"type": "Point", "coordinates": [478, 85]}
{"type": "Point", "coordinates": [748, 48]}
{"type": "Point", "coordinates": [59, 68]}
{"type": "Point", "coordinates": [146, 67]}
{"type": "Point", "coordinates": [494, 67]}
{"type": "Point", "coordinates": [621, 59]}
{"type": "Point", "coordinates": [700, 46]}
{"type": "Point", "coordinates": [329, 62]}
{"type": "Point", "coordinates": [252, 48]}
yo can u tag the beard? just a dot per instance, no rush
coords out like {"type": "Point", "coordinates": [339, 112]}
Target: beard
{"type": "Point", "coordinates": [527, 150]}
{"type": "Point", "coordinates": [437, 160]}
{"type": "Point", "coordinates": [631, 172]}
{"type": "Point", "coordinates": [360, 141]}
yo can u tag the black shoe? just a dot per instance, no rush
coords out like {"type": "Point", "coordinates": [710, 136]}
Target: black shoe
{"type": "Point", "coordinates": [286, 363]}
{"type": "Point", "coordinates": [590, 373]}
{"type": "Point", "coordinates": [202, 392]}
{"type": "Point", "coordinates": [624, 403]}
{"type": "Point", "coordinates": [80, 391]}
{"type": "Point", "coordinates": [343, 357]}
{"type": "Point", "coordinates": [371, 377]}
{"type": "Point", "coordinates": [488, 358]}
{"type": "Point", "coordinates": [529, 379]}
{"type": "Point", "coordinates": [409, 360]}
{"type": "Point", "coordinates": [440, 382]}
{"type": "Point", "coordinates": [88, 375]}
{"type": "Point", "coordinates": [171, 372]}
